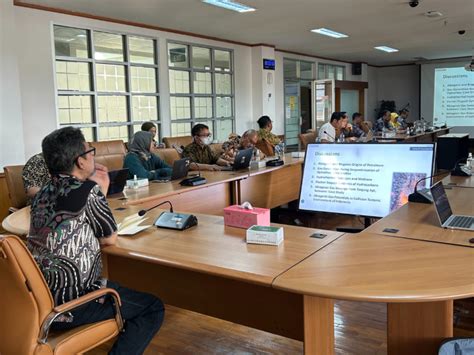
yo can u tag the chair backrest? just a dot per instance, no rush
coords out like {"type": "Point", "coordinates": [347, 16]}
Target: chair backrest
{"type": "Point", "coordinates": [169, 155]}
{"type": "Point", "coordinates": [179, 141]}
{"type": "Point", "coordinates": [266, 147]}
{"type": "Point", "coordinates": [217, 148]}
{"type": "Point", "coordinates": [16, 189]}
{"type": "Point", "coordinates": [25, 298]}
{"type": "Point", "coordinates": [306, 138]}
{"type": "Point", "coordinates": [110, 153]}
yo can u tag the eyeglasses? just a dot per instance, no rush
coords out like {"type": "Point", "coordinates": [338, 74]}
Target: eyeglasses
{"type": "Point", "coordinates": [206, 135]}
{"type": "Point", "coordinates": [92, 150]}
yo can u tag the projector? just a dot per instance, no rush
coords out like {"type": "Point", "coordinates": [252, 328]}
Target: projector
{"type": "Point", "coordinates": [470, 67]}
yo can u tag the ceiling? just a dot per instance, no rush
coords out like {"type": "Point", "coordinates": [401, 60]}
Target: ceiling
{"type": "Point", "coordinates": [286, 24]}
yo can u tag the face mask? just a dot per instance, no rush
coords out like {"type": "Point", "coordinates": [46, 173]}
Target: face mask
{"type": "Point", "coordinates": [206, 140]}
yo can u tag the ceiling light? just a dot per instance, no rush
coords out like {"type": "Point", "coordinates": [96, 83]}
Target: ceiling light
{"type": "Point", "coordinates": [230, 5]}
{"type": "Point", "coordinates": [386, 49]}
{"type": "Point", "coordinates": [330, 33]}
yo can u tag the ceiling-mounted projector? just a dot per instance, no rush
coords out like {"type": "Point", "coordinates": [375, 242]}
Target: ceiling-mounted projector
{"type": "Point", "coordinates": [470, 67]}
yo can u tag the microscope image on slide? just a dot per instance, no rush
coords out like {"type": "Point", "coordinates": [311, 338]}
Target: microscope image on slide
{"type": "Point", "coordinates": [403, 185]}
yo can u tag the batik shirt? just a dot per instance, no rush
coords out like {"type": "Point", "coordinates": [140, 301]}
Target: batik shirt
{"type": "Point", "coordinates": [268, 136]}
{"type": "Point", "coordinates": [35, 172]}
{"type": "Point", "coordinates": [68, 217]}
{"type": "Point", "coordinates": [381, 123]}
{"type": "Point", "coordinates": [200, 154]}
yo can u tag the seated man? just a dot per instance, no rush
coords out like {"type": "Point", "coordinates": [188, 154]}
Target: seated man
{"type": "Point", "coordinates": [35, 175]}
{"type": "Point", "coordinates": [235, 143]}
{"type": "Point", "coordinates": [140, 160]}
{"type": "Point", "coordinates": [200, 152]}
{"type": "Point", "coordinates": [265, 131]}
{"type": "Point", "coordinates": [70, 223]}
{"type": "Point", "coordinates": [403, 117]}
{"type": "Point", "coordinates": [327, 132]}
{"type": "Point", "coordinates": [384, 122]}
{"type": "Point", "coordinates": [359, 126]}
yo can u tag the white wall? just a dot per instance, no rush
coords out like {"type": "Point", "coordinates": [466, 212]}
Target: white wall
{"type": "Point", "coordinates": [34, 57]}
{"type": "Point", "coordinates": [400, 84]}
{"type": "Point", "coordinates": [372, 96]}
{"type": "Point", "coordinates": [11, 126]}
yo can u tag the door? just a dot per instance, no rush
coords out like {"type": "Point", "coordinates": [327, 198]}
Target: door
{"type": "Point", "coordinates": [305, 104]}
{"type": "Point", "coordinates": [323, 101]}
{"type": "Point", "coordinates": [292, 112]}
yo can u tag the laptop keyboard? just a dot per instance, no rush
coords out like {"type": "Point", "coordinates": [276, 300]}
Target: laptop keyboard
{"type": "Point", "coordinates": [462, 222]}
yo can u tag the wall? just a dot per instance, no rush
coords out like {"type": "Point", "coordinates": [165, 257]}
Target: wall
{"type": "Point", "coordinates": [34, 61]}
{"type": "Point", "coordinates": [400, 84]}
{"type": "Point", "coordinates": [280, 81]}
{"type": "Point", "coordinates": [11, 126]}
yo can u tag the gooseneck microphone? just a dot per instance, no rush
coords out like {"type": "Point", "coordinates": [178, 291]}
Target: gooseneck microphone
{"type": "Point", "coordinates": [143, 212]}
{"type": "Point", "coordinates": [330, 136]}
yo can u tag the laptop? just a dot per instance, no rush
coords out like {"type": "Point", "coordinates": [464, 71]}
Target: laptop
{"type": "Point", "coordinates": [180, 170]}
{"type": "Point", "coordinates": [241, 161]}
{"type": "Point", "coordinates": [118, 179]}
{"type": "Point", "coordinates": [443, 210]}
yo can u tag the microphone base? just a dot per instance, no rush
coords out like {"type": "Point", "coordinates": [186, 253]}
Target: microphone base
{"type": "Point", "coordinates": [422, 196]}
{"type": "Point", "coordinates": [275, 162]}
{"type": "Point", "coordinates": [176, 221]}
{"type": "Point", "coordinates": [461, 171]}
{"type": "Point", "coordinates": [193, 181]}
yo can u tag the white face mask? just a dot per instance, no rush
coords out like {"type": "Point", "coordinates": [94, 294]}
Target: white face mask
{"type": "Point", "coordinates": [206, 140]}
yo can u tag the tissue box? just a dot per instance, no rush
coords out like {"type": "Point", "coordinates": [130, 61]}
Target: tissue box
{"type": "Point", "coordinates": [297, 154]}
{"type": "Point", "coordinates": [265, 235]}
{"type": "Point", "coordinates": [140, 183]}
{"type": "Point", "coordinates": [236, 216]}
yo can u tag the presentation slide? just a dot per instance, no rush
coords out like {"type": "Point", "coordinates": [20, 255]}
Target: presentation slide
{"type": "Point", "coordinates": [363, 179]}
{"type": "Point", "coordinates": [447, 98]}
{"type": "Point", "coordinates": [453, 97]}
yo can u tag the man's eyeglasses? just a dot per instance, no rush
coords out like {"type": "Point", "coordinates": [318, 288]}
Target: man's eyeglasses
{"type": "Point", "coordinates": [92, 150]}
{"type": "Point", "coordinates": [206, 135]}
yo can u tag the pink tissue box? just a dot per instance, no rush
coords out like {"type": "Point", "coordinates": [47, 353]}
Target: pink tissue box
{"type": "Point", "coordinates": [236, 216]}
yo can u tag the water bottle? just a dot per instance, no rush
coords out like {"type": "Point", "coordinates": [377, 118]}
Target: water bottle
{"type": "Point", "coordinates": [342, 137]}
{"type": "Point", "coordinates": [135, 182]}
{"type": "Point", "coordinates": [384, 132]}
{"type": "Point", "coordinates": [469, 161]}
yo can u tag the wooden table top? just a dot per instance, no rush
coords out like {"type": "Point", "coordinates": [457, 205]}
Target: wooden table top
{"type": "Point", "coordinates": [419, 220]}
{"type": "Point", "coordinates": [368, 267]}
{"type": "Point", "coordinates": [459, 181]}
{"type": "Point", "coordinates": [216, 249]}
{"type": "Point", "coordinates": [288, 159]}
{"type": "Point", "coordinates": [164, 189]}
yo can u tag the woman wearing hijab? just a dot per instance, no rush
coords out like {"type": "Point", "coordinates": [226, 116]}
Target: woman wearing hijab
{"type": "Point", "coordinates": [141, 162]}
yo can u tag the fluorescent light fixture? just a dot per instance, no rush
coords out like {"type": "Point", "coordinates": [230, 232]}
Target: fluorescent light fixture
{"type": "Point", "coordinates": [330, 33]}
{"type": "Point", "coordinates": [386, 49]}
{"type": "Point", "coordinates": [230, 5]}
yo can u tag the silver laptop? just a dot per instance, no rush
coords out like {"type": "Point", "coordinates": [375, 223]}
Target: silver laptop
{"type": "Point", "coordinates": [445, 215]}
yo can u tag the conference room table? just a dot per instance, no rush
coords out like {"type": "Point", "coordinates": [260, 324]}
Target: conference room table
{"type": "Point", "coordinates": [265, 187]}
{"type": "Point", "coordinates": [420, 221]}
{"type": "Point", "coordinates": [426, 137]}
{"type": "Point", "coordinates": [458, 181]}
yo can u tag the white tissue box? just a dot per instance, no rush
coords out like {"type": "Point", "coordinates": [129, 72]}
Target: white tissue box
{"type": "Point", "coordinates": [297, 154]}
{"type": "Point", "coordinates": [257, 164]}
{"type": "Point", "coordinates": [265, 235]}
{"type": "Point", "coordinates": [139, 183]}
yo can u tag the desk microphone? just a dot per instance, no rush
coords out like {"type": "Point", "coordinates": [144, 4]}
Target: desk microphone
{"type": "Point", "coordinates": [143, 212]}
{"type": "Point", "coordinates": [171, 220]}
{"type": "Point", "coordinates": [459, 170]}
{"type": "Point", "coordinates": [330, 136]}
{"type": "Point", "coordinates": [194, 180]}
{"type": "Point", "coordinates": [423, 196]}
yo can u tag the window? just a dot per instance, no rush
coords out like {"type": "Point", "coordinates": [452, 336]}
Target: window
{"type": "Point", "coordinates": [107, 83]}
{"type": "Point", "coordinates": [201, 89]}
{"type": "Point", "coordinates": [297, 70]}
{"type": "Point", "coordinates": [329, 71]}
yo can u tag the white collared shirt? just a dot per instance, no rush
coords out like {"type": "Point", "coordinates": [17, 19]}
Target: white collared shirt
{"type": "Point", "coordinates": [330, 136]}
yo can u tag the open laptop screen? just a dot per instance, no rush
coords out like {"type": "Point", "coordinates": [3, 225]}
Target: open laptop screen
{"type": "Point", "coordinates": [441, 202]}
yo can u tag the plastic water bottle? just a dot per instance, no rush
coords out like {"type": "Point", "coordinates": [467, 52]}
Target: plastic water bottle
{"type": "Point", "coordinates": [135, 182]}
{"type": "Point", "coordinates": [469, 161]}
{"type": "Point", "coordinates": [342, 137]}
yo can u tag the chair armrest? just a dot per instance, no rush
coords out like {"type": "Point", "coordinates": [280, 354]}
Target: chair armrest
{"type": "Point", "coordinates": [69, 306]}
{"type": "Point", "coordinates": [88, 297]}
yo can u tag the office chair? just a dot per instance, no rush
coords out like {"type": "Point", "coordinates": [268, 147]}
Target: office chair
{"type": "Point", "coordinates": [16, 189]}
{"type": "Point", "coordinates": [27, 309]}
{"type": "Point", "coordinates": [266, 147]}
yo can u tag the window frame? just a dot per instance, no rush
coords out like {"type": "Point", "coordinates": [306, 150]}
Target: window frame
{"type": "Point", "coordinates": [213, 95]}
{"type": "Point", "coordinates": [334, 67]}
{"type": "Point", "coordinates": [95, 94]}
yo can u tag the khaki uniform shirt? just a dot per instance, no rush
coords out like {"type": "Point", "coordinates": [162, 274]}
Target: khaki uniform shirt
{"type": "Point", "coordinates": [268, 136]}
